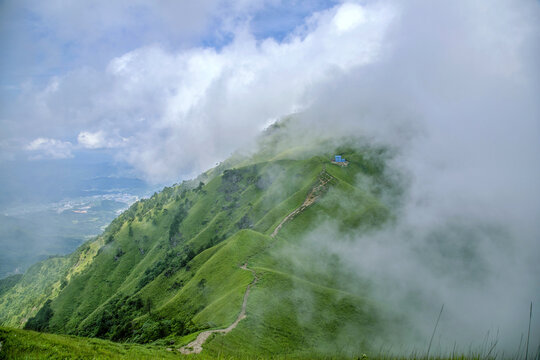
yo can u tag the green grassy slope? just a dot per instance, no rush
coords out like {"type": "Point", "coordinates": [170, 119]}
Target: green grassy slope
{"type": "Point", "coordinates": [219, 284]}
{"type": "Point", "coordinates": [43, 281]}
{"type": "Point", "coordinates": [7, 283]}
{"type": "Point", "coordinates": [169, 266]}
{"type": "Point", "coordinates": [151, 257]}
{"type": "Point", "coordinates": [302, 305]}
{"type": "Point", "coordinates": [36, 286]}
{"type": "Point", "coordinates": [31, 345]}
{"type": "Point", "coordinates": [23, 344]}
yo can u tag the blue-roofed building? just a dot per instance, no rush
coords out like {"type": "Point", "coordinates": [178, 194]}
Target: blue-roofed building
{"type": "Point", "coordinates": [339, 160]}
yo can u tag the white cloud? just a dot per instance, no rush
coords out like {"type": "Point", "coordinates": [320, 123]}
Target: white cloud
{"type": "Point", "coordinates": [91, 140]}
{"type": "Point", "coordinates": [348, 17]}
{"type": "Point", "coordinates": [45, 148]}
{"type": "Point", "coordinates": [42, 38]}
{"type": "Point", "coordinates": [184, 111]}
{"type": "Point", "coordinates": [99, 140]}
{"type": "Point", "coordinates": [456, 96]}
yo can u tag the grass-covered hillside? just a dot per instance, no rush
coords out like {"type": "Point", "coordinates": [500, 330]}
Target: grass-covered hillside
{"type": "Point", "coordinates": [179, 263]}
{"type": "Point", "coordinates": [27, 344]}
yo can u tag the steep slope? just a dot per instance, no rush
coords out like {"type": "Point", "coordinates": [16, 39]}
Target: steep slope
{"type": "Point", "coordinates": [152, 255]}
{"type": "Point", "coordinates": [170, 266]}
{"type": "Point", "coordinates": [23, 344]}
{"type": "Point", "coordinates": [300, 304]}
{"type": "Point", "coordinates": [43, 281]}
{"type": "Point", "coordinates": [8, 282]}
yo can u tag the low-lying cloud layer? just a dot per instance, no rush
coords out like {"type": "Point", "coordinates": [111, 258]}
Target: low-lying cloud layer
{"type": "Point", "coordinates": [456, 94]}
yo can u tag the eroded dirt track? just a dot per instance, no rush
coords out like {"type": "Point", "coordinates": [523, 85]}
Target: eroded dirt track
{"type": "Point", "coordinates": [195, 346]}
{"type": "Point", "coordinates": [324, 179]}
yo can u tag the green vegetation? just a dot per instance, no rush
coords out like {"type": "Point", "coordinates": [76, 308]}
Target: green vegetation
{"type": "Point", "coordinates": [37, 285]}
{"type": "Point", "coordinates": [169, 267]}
{"type": "Point", "coordinates": [9, 282]}
{"type": "Point", "coordinates": [24, 344]}
{"type": "Point", "coordinates": [43, 281]}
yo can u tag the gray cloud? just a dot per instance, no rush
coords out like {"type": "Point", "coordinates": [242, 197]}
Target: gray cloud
{"type": "Point", "coordinates": [455, 94]}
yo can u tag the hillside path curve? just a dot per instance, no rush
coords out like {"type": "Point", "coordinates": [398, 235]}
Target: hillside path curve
{"type": "Point", "coordinates": [195, 346]}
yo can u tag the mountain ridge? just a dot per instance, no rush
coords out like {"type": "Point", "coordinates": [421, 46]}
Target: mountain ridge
{"type": "Point", "coordinates": [169, 267]}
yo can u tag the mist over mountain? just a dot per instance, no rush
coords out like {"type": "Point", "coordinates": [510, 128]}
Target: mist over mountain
{"type": "Point", "coordinates": [264, 244]}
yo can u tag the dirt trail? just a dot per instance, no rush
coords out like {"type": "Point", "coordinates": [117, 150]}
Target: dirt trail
{"type": "Point", "coordinates": [195, 346]}
{"type": "Point", "coordinates": [324, 178]}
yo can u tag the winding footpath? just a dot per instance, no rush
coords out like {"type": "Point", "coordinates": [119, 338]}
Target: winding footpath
{"type": "Point", "coordinates": [324, 178]}
{"type": "Point", "coordinates": [195, 347]}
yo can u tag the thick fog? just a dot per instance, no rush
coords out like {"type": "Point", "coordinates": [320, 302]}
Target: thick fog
{"type": "Point", "coordinates": [455, 93]}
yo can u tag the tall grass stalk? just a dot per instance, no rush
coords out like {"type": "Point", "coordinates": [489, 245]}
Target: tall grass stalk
{"type": "Point", "coordinates": [528, 333]}
{"type": "Point", "coordinates": [434, 329]}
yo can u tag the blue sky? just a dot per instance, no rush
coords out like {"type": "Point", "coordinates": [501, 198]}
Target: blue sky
{"type": "Point", "coordinates": [43, 42]}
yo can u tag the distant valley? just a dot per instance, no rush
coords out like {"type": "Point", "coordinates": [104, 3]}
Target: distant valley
{"type": "Point", "coordinates": [30, 232]}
